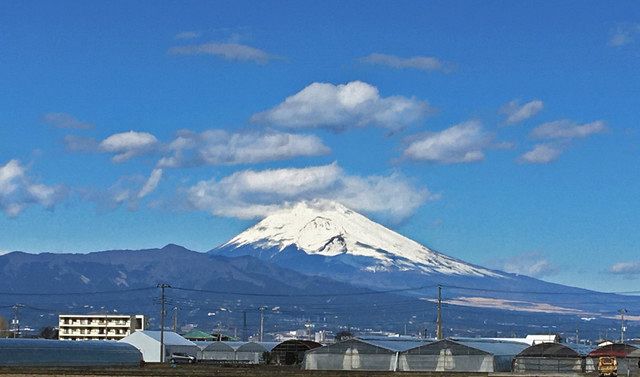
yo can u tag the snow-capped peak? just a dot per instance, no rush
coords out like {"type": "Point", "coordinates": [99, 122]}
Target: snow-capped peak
{"type": "Point", "coordinates": [330, 229]}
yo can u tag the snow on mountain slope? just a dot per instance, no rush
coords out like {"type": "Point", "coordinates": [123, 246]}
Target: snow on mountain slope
{"type": "Point", "coordinates": [329, 229]}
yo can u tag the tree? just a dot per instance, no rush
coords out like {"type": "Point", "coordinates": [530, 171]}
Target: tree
{"type": "Point", "coordinates": [49, 332]}
{"type": "Point", "coordinates": [4, 328]}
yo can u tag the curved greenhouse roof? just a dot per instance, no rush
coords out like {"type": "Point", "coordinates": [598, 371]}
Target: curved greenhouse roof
{"type": "Point", "coordinates": [556, 350]}
{"type": "Point", "coordinates": [44, 352]}
{"type": "Point", "coordinates": [615, 349]}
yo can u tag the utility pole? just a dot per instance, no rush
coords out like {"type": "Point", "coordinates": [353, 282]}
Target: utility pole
{"type": "Point", "coordinates": [162, 287]}
{"type": "Point", "coordinates": [439, 320]}
{"type": "Point", "coordinates": [261, 322]}
{"type": "Point", "coordinates": [15, 322]}
{"type": "Point", "coordinates": [622, 328]}
{"type": "Point", "coordinates": [175, 319]}
{"type": "Point", "coordinates": [244, 325]}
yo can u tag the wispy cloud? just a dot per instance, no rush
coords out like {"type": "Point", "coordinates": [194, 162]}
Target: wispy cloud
{"type": "Point", "coordinates": [516, 113]}
{"type": "Point", "coordinates": [462, 143]}
{"type": "Point", "coordinates": [422, 63]}
{"type": "Point", "coordinates": [542, 153]}
{"type": "Point", "coordinates": [337, 107]}
{"type": "Point", "coordinates": [624, 34]}
{"type": "Point", "coordinates": [251, 194]}
{"type": "Point", "coordinates": [625, 268]}
{"type": "Point", "coordinates": [219, 147]}
{"type": "Point", "coordinates": [568, 129]}
{"type": "Point", "coordinates": [228, 51]}
{"type": "Point", "coordinates": [126, 145]}
{"type": "Point", "coordinates": [529, 264]}
{"type": "Point", "coordinates": [210, 147]}
{"type": "Point", "coordinates": [151, 184]}
{"type": "Point", "coordinates": [187, 35]}
{"type": "Point", "coordinates": [64, 120]}
{"type": "Point", "coordinates": [559, 136]}
{"type": "Point", "coordinates": [18, 190]}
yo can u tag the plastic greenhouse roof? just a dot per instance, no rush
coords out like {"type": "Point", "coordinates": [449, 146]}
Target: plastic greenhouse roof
{"type": "Point", "coordinates": [394, 344]}
{"type": "Point", "coordinates": [556, 350]}
{"type": "Point", "coordinates": [492, 347]}
{"type": "Point", "coordinates": [170, 338]}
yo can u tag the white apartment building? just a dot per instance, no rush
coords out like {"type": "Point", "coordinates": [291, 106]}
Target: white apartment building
{"type": "Point", "coordinates": [98, 326]}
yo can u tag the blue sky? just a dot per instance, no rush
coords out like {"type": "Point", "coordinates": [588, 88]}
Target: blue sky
{"type": "Point", "coordinates": [501, 133]}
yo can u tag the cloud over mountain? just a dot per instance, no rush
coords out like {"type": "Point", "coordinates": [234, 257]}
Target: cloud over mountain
{"type": "Point", "coordinates": [338, 107]}
{"type": "Point", "coordinates": [256, 193]}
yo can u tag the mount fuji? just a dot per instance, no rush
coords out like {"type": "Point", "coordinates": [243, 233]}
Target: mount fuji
{"type": "Point", "coordinates": [327, 239]}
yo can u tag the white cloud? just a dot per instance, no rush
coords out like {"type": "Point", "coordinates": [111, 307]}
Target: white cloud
{"type": "Point", "coordinates": [228, 51]}
{"type": "Point", "coordinates": [423, 63]}
{"type": "Point", "coordinates": [219, 147]}
{"type": "Point", "coordinates": [516, 113]}
{"type": "Point", "coordinates": [63, 120]}
{"type": "Point", "coordinates": [624, 34]}
{"type": "Point", "coordinates": [567, 129]}
{"type": "Point", "coordinates": [542, 154]}
{"type": "Point", "coordinates": [252, 194]}
{"type": "Point", "coordinates": [187, 35]}
{"type": "Point", "coordinates": [625, 268]}
{"type": "Point", "coordinates": [126, 145]}
{"type": "Point", "coordinates": [75, 143]}
{"type": "Point", "coordinates": [355, 104]}
{"type": "Point", "coordinates": [462, 143]}
{"type": "Point", "coordinates": [151, 183]}
{"type": "Point", "coordinates": [17, 190]}
{"type": "Point", "coordinates": [530, 264]}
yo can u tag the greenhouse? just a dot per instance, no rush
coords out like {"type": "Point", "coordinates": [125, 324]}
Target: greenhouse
{"type": "Point", "coordinates": [627, 356]}
{"type": "Point", "coordinates": [461, 356]}
{"type": "Point", "coordinates": [373, 354]}
{"type": "Point", "coordinates": [240, 352]}
{"type": "Point", "coordinates": [59, 353]}
{"type": "Point", "coordinates": [553, 357]}
{"type": "Point", "coordinates": [291, 352]}
{"type": "Point", "coordinates": [148, 342]}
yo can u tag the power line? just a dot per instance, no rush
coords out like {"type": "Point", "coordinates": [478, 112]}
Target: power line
{"type": "Point", "coordinates": [75, 293]}
{"type": "Point", "coordinates": [336, 294]}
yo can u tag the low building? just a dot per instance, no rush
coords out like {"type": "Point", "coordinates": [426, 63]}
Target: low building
{"type": "Point", "coordinates": [367, 354]}
{"type": "Point", "coordinates": [56, 353]}
{"type": "Point", "coordinates": [148, 342]}
{"type": "Point", "coordinates": [237, 352]}
{"type": "Point", "coordinates": [446, 355]}
{"type": "Point", "coordinates": [291, 352]}
{"type": "Point", "coordinates": [627, 357]}
{"type": "Point", "coordinates": [98, 326]}
{"type": "Point", "coordinates": [553, 357]}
